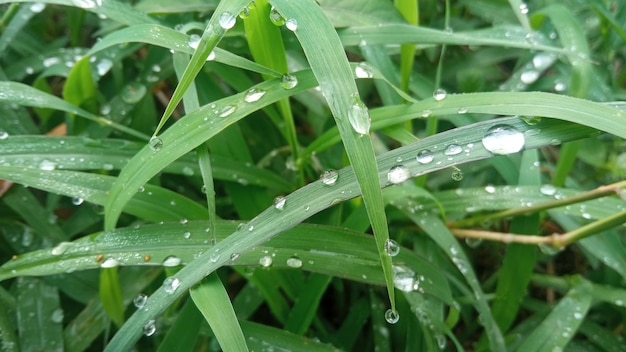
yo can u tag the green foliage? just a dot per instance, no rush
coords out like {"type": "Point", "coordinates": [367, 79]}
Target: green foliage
{"type": "Point", "coordinates": [470, 198]}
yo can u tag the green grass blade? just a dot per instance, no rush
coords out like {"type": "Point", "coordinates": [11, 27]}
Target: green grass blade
{"type": "Point", "coordinates": [410, 11]}
{"type": "Point", "coordinates": [337, 83]}
{"type": "Point", "coordinates": [307, 304]}
{"type": "Point", "coordinates": [211, 298]}
{"type": "Point", "coordinates": [184, 333]}
{"type": "Point", "coordinates": [261, 337]}
{"type": "Point", "coordinates": [8, 338]}
{"type": "Point", "coordinates": [111, 295]}
{"type": "Point", "coordinates": [40, 315]}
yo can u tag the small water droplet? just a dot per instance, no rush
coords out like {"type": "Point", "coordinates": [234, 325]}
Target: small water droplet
{"type": "Point", "coordinates": [578, 315]}
{"type": "Point", "coordinates": [548, 190]}
{"type": "Point", "coordinates": [427, 113]}
{"type": "Point", "coordinates": [279, 202]}
{"type": "Point", "coordinates": [542, 61]}
{"type": "Point", "coordinates": [245, 13]}
{"type": "Point", "coordinates": [109, 263]}
{"type": "Point", "coordinates": [523, 8]}
{"type": "Point", "coordinates": [490, 189]}
{"type": "Point", "coordinates": [462, 110]}
{"type": "Point", "coordinates": [440, 94]}
{"type": "Point", "coordinates": [363, 70]}
{"type": "Point", "coordinates": [404, 279]}
{"type": "Point", "coordinates": [234, 256]}
{"type": "Point", "coordinates": [194, 40]}
{"type": "Point", "coordinates": [329, 177]}
{"type": "Point", "coordinates": [265, 261]}
{"type": "Point", "coordinates": [359, 116]}
{"type": "Point", "coordinates": [503, 139]}
{"type": "Point", "coordinates": [150, 328]}
{"type": "Point", "coordinates": [392, 316]}
{"type": "Point", "coordinates": [294, 262]}
{"type": "Point", "coordinates": [187, 234]}
{"type": "Point", "coordinates": [559, 86]}
{"type": "Point", "coordinates": [457, 175]}
{"type": "Point", "coordinates": [253, 94]}
{"type": "Point", "coordinates": [530, 76]}
{"type": "Point", "coordinates": [211, 56]}
{"type": "Point", "coordinates": [424, 156]}
{"type": "Point", "coordinates": [103, 66]}
{"type": "Point", "coordinates": [77, 201]}
{"type": "Point", "coordinates": [171, 284]}
{"type": "Point", "coordinates": [398, 174]}
{"type": "Point", "coordinates": [61, 248]}
{"type": "Point", "coordinates": [47, 165]}
{"type": "Point", "coordinates": [276, 18]}
{"type": "Point", "coordinates": [4, 135]}
{"type": "Point", "coordinates": [171, 261]}
{"type": "Point", "coordinates": [288, 81]}
{"type": "Point", "coordinates": [132, 93]}
{"type": "Point", "coordinates": [188, 171]}
{"type": "Point", "coordinates": [155, 143]}
{"type": "Point", "coordinates": [51, 61]}
{"type": "Point", "coordinates": [37, 7]}
{"type": "Point", "coordinates": [227, 110]}
{"type": "Point", "coordinates": [291, 24]}
{"type": "Point", "coordinates": [453, 149]}
{"type": "Point", "coordinates": [391, 248]}
{"type": "Point", "coordinates": [140, 300]}
{"type": "Point", "coordinates": [57, 316]}
{"type": "Point", "coordinates": [227, 20]}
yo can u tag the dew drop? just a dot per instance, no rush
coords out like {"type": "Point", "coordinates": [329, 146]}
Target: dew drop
{"type": "Point", "coordinates": [490, 189]}
{"type": "Point", "coordinates": [462, 110]}
{"type": "Point", "coordinates": [187, 234]}
{"type": "Point", "coordinates": [392, 316]}
{"type": "Point", "coordinates": [276, 18]}
{"type": "Point", "coordinates": [523, 8]}
{"type": "Point", "coordinates": [150, 328]}
{"type": "Point", "coordinates": [404, 279]}
{"type": "Point", "coordinates": [440, 94]}
{"type": "Point", "coordinates": [542, 61]}
{"type": "Point", "coordinates": [103, 66]}
{"type": "Point", "coordinates": [47, 165]}
{"type": "Point", "coordinates": [578, 315]}
{"type": "Point", "coordinates": [37, 7]}
{"type": "Point", "coordinates": [363, 70]}
{"type": "Point", "coordinates": [61, 248]}
{"type": "Point", "coordinates": [359, 116]}
{"type": "Point", "coordinates": [398, 174]}
{"type": "Point", "coordinates": [227, 110]}
{"type": "Point", "coordinates": [51, 61]}
{"type": "Point", "coordinates": [457, 175]}
{"type": "Point", "coordinates": [279, 202]}
{"type": "Point", "coordinates": [391, 248]}
{"type": "Point", "coordinates": [140, 300]}
{"type": "Point", "coordinates": [288, 81]}
{"type": "Point", "coordinates": [559, 86]}
{"type": "Point", "coordinates": [155, 143]}
{"type": "Point", "coordinates": [291, 24]}
{"type": "Point", "coordinates": [194, 41]}
{"type": "Point", "coordinates": [253, 94]}
{"type": "Point", "coordinates": [77, 201]}
{"type": "Point", "coordinates": [548, 190]}
{"type": "Point", "coordinates": [473, 242]}
{"type": "Point", "coordinates": [453, 149]}
{"type": "Point", "coordinates": [171, 284]}
{"type": "Point", "coordinates": [188, 171]}
{"type": "Point", "coordinates": [211, 56]}
{"type": "Point", "coordinates": [294, 262]}
{"type": "Point", "coordinates": [530, 76]}
{"type": "Point", "coordinates": [424, 156]}
{"type": "Point", "coordinates": [265, 261]}
{"type": "Point", "coordinates": [329, 177]}
{"type": "Point", "coordinates": [427, 113]}
{"type": "Point", "coordinates": [4, 135]}
{"type": "Point", "coordinates": [57, 316]}
{"type": "Point", "coordinates": [109, 263]}
{"type": "Point", "coordinates": [245, 13]}
{"type": "Point", "coordinates": [132, 93]}
{"type": "Point", "coordinates": [234, 256]}
{"type": "Point", "coordinates": [227, 20]}
{"type": "Point", "coordinates": [171, 261]}
{"type": "Point", "coordinates": [503, 139]}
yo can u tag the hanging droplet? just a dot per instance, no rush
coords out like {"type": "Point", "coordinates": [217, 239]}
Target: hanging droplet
{"type": "Point", "coordinates": [294, 262]}
{"type": "Point", "coordinates": [194, 41]}
{"type": "Point", "coordinates": [289, 81]}
{"type": "Point", "coordinates": [61, 248]}
{"type": "Point", "coordinates": [363, 70]}
{"type": "Point", "coordinates": [503, 139]}
{"type": "Point", "coordinates": [140, 300]}
{"type": "Point", "coordinates": [109, 263]}
{"type": "Point", "coordinates": [329, 177]}
{"type": "Point", "coordinates": [211, 56]}
{"type": "Point", "coordinates": [171, 261]}
{"type": "Point", "coordinates": [457, 175]}
{"type": "Point", "coordinates": [77, 201]}
{"type": "Point", "coordinates": [392, 248]}
{"type": "Point", "coordinates": [473, 242]}
{"type": "Point", "coordinates": [253, 94]}
{"type": "Point", "coordinates": [559, 86]}
{"type": "Point", "coordinates": [424, 156]}
{"type": "Point", "coordinates": [453, 149]}
{"type": "Point", "coordinates": [265, 261]}
{"type": "Point", "coordinates": [359, 116]}
{"type": "Point", "coordinates": [398, 174]}
{"type": "Point", "coordinates": [132, 93]}
{"type": "Point", "coordinates": [150, 328]}
{"type": "Point", "coordinates": [448, 30]}
{"type": "Point", "coordinates": [155, 143]}
{"type": "Point", "coordinates": [291, 24]}
{"type": "Point", "coordinates": [440, 94]}
{"type": "Point", "coordinates": [276, 18]}
{"type": "Point", "coordinates": [279, 202]}
{"type": "Point", "coordinates": [171, 284]}
{"type": "Point", "coordinates": [227, 20]}
{"type": "Point", "coordinates": [227, 110]}
{"type": "Point", "coordinates": [392, 316]}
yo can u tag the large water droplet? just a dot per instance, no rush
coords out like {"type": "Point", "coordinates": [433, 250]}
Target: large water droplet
{"type": "Point", "coordinates": [155, 143]}
{"type": "Point", "coordinates": [276, 18]}
{"type": "Point", "coordinates": [279, 202]}
{"type": "Point", "coordinates": [289, 81]}
{"type": "Point", "coordinates": [133, 92]}
{"type": "Point", "coordinates": [391, 248]}
{"type": "Point", "coordinates": [171, 261]}
{"type": "Point", "coordinates": [363, 70]}
{"type": "Point", "coordinates": [150, 328]}
{"type": "Point", "coordinates": [194, 41]}
{"type": "Point", "coordinates": [77, 201]}
{"type": "Point", "coordinates": [61, 248]}
{"type": "Point", "coordinates": [503, 139]}
{"type": "Point", "coordinates": [291, 24]}
{"type": "Point", "coordinates": [109, 263]}
{"type": "Point", "coordinates": [140, 300]}
{"type": "Point", "coordinates": [440, 94]}
{"type": "Point", "coordinates": [398, 174]}
{"type": "Point", "coordinates": [103, 66]}
{"type": "Point", "coordinates": [329, 177]}
{"type": "Point", "coordinates": [359, 116]}
{"type": "Point", "coordinates": [424, 156]}
{"type": "Point", "coordinates": [265, 261]}
{"type": "Point", "coordinates": [47, 165]}
{"type": "Point", "coordinates": [542, 61]}
{"type": "Point", "coordinates": [294, 262]}
{"type": "Point", "coordinates": [171, 284]}
{"type": "Point", "coordinates": [37, 7]}
{"type": "Point", "coordinates": [404, 279]}
{"type": "Point", "coordinates": [253, 94]}
{"type": "Point", "coordinates": [392, 316]}
{"type": "Point", "coordinates": [227, 20]}
{"type": "Point", "coordinates": [453, 149]}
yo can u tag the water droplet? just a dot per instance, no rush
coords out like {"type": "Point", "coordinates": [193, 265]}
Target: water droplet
{"type": "Point", "coordinates": [398, 174]}
{"type": "Point", "coordinates": [279, 202]}
{"type": "Point", "coordinates": [245, 13]}
{"type": "Point", "coordinates": [441, 341]}
{"type": "Point", "coordinates": [227, 110]}
{"type": "Point", "coordinates": [194, 41]}
{"type": "Point", "coordinates": [171, 261]}
{"type": "Point", "coordinates": [47, 165]}
{"type": "Point", "coordinates": [462, 110]}
{"type": "Point", "coordinates": [51, 61]}
{"type": "Point", "coordinates": [502, 139]}
{"type": "Point", "coordinates": [150, 328]}
{"type": "Point", "coordinates": [4, 135]}
{"type": "Point", "coordinates": [109, 263]}
{"type": "Point", "coordinates": [188, 171]}
{"type": "Point", "coordinates": [424, 156]}
{"type": "Point", "coordinates": [77, 201]}
{"type": "Point", "coordinates": [103, 66]}
{"type": "Point", "coordinates": [542, 61]}
{"type": "Point", "coordinates": [57, 316]}
{"type": "Point", "coordinates": [155, 143]}
{"type": "Point", "coordinates": [288, 81]}
{"type": "Point", "coordinates": [391, 248]}
{"type": "Point", "coordinates": [457, 175]}
{"type": "Point", "coordinates": [227, 20]}
{"type": "Point", "coordinates": [276, 18]}
{"type": "Point", "coordinates": [559, 86]}
{"type": "Point", "coordinates": [578, 315]}
{"type": "Point", "coordinates": [359, 116]}
{"type": "Point", "coordinates": [211, 56]}
{"type": "Point", "coordinates": [294, 262]}
{"type": "Point", "coordinates": [404, 279]}
{"type": "Point", "coordinates": [427, 113]}
{"type": "Point", "coordinates": [234, 256]}
{"type": "Point", "coordinates": [37, 7]}
{"type": "Point", "coordinates": [132, 93]}
{"type": "Point", "coordinates": [473, 242]}
{"type": "Point", "coordinates": [291, 24]}
{"type": "Point", "coordinates": [548, 190]}
{"type": "Point", "coordinates": [171, 284]}
{"type": "Point", "coordinates": [523, 8]}
{"type": "Point", "coordinates": [253, 94]}
{"type": "Point", "coordinates": [440, 94]}
{"type": "Point", "coordinates": [392, 316]}
{"type": "Point", "coordinates": [61, 248]}
{"type": "Point", "coordinates": [363, 70]}
{"type": "Point", "coordinates": [329, 177]}
{"type": "Point", "coordinates": [490, 189]}
{"type": "Point", "coordinates": [448, 30]}
{"type": "Point", "coordinates": [530, 76]}
{"type": "Point", "coordinates": [453, 149]}
{"type": "Point", "coordinates": [265, 261]}
{"type": "Point", "coordinates": [140, 300]}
